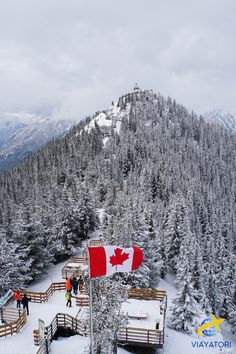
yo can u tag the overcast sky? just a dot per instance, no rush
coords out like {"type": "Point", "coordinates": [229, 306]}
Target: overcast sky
{"type": "Point", "coordinates": [70, 58]}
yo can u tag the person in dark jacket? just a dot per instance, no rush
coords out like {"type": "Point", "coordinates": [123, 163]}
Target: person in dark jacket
{"type": "Point", "coordinates": [25, 302]}
{"type": "Point", "coordinates": [75, 285]}
{"type": "Point", "coordinates": [81, 283]}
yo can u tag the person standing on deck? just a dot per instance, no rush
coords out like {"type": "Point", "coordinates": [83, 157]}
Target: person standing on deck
{"type": "Point", "coordinates": [18, 298]}
{"type": "Point", "coordinates": [25, 302]}
{"type": "Point", "coordinates": [75, 285]}
{"type": "Point", "coordinates": [68, 284]}
{"type": "Point", "coordinates": [80, 281]}
{"type": "Point", "coordinates": [68, 298]}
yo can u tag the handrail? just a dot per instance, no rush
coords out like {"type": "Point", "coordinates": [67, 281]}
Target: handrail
{"type": "Point", "coordinates": [91, 243]}
{"type": "Point", "coordinates": [61, 320]}
{"type": "Point", "coordinates": [44, 296]}
{"type": "Point", "coordinates": [133, 293]}
{"type": "Point", "coordinates": [68, 272]}
{"type": "Point", "coordinates": [146, 294]}
{"type": "Point", "coordinates": [13, 320]}
{"type": "Point", "coordinates": [82, 301]}
{"type": "Point", "coordinates": [145, 336]}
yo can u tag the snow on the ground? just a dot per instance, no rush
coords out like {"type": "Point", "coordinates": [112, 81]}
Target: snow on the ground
{"type": "Point", "coordinates": [150, 308]}
{"type": "Point", "coordinates": [71, 345]}
{"type": "Point", "coordinates": [53, 275]}
{"type": "Point", "coordinates": [77, 265]}
{"type": "Point", "coordinates": [75, 345]}
{"type": "Point", "coordinates": [175, 342]}
{"type": "Point", "coordinates": [46, 312]}
{"type": "Point", "coordinates": [180, 343]}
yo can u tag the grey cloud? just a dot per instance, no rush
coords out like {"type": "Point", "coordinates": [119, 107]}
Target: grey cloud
{"type": "Point", "coordinates": [70, 58]}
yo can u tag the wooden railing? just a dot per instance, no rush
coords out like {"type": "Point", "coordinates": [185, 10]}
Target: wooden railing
{"type": "Point", "coordinates": [60, 321]}
{"type": "Point", "coordinates": [82, 301]}
{"type": "Point", "coordinates": [44, 296]}
{"type": "Point", "coordinates": [92, 243]}
{"type": "Point", "coordinates": [13, 320]}
{"type": "Point", "coordinates": [140, 294]}
{"type": "Point", "coordinates": [146, 294]}
{"type": "Point", "coordinates": [68, 272]}
{"type": "Point", "coordinates": [150, 337]}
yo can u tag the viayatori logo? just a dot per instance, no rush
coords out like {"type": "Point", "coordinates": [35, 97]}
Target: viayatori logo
{"type": "Point", "coordinates": [209, 328]}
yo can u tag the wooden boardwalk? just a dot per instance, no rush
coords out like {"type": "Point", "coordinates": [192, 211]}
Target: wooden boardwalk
{"type": "Point", "coordinates": [145, 337]}
{"type": "Point", "coordinates": [15, 319]}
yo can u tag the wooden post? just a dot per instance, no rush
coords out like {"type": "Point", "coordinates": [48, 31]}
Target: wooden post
{"type": "Point", "coordinates": [1, 311]}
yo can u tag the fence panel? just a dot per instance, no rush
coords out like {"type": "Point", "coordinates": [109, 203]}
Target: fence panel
{"type": "Point", "coordinates": [141, 336]}
{"type": "Point", "coordinates": [15, 320]}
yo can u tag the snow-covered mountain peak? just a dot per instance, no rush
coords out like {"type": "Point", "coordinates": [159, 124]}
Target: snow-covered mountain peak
{"type": "Point", "coordinates": [221, 117]}
{"type": "Point", "coordinates": [112, 117]}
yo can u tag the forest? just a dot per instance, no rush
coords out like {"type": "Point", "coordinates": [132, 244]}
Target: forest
{"type": "Point", "coordinates": [167, 184]}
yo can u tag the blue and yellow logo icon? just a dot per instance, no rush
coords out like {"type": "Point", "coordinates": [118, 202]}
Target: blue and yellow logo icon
{"type": "Point", "coordinates": [210, 326]}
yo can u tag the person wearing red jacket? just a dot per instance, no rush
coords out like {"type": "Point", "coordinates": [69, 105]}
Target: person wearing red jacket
{"type": "Point", "coordinates": [68, 284]}
{"type": "Point", "coordinates": [18, 298]}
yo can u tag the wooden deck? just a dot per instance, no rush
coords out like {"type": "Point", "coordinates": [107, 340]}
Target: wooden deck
{"type": "Point", "coordinates": [145, 337]}
{"type": "Point", "coordinates": [76, 271]}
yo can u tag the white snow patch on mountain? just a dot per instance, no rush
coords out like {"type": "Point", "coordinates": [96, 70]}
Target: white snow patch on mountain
{"type": "Point", "coordinates": [109, 119]}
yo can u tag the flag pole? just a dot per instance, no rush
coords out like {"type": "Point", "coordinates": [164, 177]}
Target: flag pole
{"type": "Point", "coordinates": [90, 309]}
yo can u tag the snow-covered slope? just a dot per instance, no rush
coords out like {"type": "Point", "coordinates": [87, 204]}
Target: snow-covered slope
{"type": "Point", "coordinates": [225, 119]}
{"type": "Point", "coordinates": [28, 138]}
{"type": "Point", "coordinates": [109, 119]}
{"type": "Point", "coordinates": [7, 128]}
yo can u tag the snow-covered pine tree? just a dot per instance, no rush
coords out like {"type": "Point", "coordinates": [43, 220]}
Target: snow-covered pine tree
{"type": "Point", "coordinates": [173, 227]}
{"type": "Point", "coordinates": [107, 316]}
{"type": "Point", "coordinates": [31, 244]}
{"type": "Point", "coordinates": [232, 311]}
{"type": "Point", "coordinates": [10, 264]}
{"type": "Point", "coordinates": [199, 277]}
{"type": "Point", "coordinates": [185, 310]}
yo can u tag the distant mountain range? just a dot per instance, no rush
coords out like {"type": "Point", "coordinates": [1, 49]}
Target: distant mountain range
{"type": "Point", "coordinates": [7, 128]}
{"type": "Point", "coordinates": [225, 119]}
{"type": "Point", "coordinates": [20, 137]}
{"type": "Point", "coordinates": [19, 140]}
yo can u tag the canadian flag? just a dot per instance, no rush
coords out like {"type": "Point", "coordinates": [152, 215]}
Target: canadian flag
{"type": "Point", "coordinates": [107, 260]}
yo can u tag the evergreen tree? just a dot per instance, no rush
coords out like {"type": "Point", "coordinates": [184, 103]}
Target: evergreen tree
{"type": "Point", "coordinates": [185, 308]}
{"type": "Point", "coordinates": [107, 316]}
{"type": "Point", "coordinates": [10, 265]}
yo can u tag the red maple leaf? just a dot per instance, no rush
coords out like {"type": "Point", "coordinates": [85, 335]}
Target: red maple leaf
{"type": "Point", "coordinates": [119, 258]}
